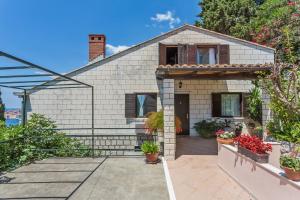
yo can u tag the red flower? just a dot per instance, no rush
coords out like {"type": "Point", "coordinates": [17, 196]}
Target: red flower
{"type": "Point", "coordinates": [253, 143]}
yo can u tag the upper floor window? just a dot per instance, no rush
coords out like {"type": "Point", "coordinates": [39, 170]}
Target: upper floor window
{"type": "Point", "coordinates": [194, 54]}
{"type": "Point", "coordinates": [172, 55]}
{"type": "Point", "coordinates": [206, 55]}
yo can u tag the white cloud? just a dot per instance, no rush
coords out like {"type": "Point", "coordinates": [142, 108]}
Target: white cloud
{"type": "Point", "coordinates": [115, 49]}
{"type": "Point", "coordinates": [166, 17]}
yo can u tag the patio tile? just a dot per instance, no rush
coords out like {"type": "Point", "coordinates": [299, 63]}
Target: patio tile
{"type": "Point", "coordinates": [195, 174]}
{"type": "Point", "coordinates": [36, 190]}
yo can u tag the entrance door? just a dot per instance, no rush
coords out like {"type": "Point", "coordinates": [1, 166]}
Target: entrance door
{"type": "Point", "coordinates": [182, 111]}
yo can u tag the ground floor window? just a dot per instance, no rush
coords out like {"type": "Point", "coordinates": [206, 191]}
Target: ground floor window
{"type": "Point", "coordinates": [231, 105]}
{"type": "Point", "coordinates": [139, 105]}
{"type": "Point", "coordinates": [227, 104]}
{"type": "Point", "coordinates": [145, 103]}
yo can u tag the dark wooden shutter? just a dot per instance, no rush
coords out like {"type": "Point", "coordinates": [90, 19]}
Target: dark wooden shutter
{"type": "Point", "coordinates": [224, 54]}
{"type": "Point", "coordinates": [130, 105]}
{"type": "Point", "coordinates": [162, 54]}
{"type": "Point", "coordinates": [216, 105]}
{"type": "Point", "coordinates": [191, 54]}
{"type": "Point", "coordinates": [182, 54]}
{"type": "Point", "coordinates": [245, 104]}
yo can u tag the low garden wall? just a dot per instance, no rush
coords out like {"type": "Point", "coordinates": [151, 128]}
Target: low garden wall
{"type": "Point", "coordinates": [262, 181]}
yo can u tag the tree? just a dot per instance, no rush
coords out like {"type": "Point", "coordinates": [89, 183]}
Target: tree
{"type": "Point", "coordinates": [283, 87]}
{"type": "Point", "coordinates": [2, 109]}
{"type": "Point", "coordinates": [229, 17]}
{"type": "Point", "coordinates": [277, 24]}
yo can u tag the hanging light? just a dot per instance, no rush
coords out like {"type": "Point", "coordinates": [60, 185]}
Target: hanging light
{"type": "Point", "coordinates": [180, 84]}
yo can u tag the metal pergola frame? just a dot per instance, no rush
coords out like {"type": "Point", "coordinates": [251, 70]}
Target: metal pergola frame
{"type": "Point", "coordinates": [28, 86]}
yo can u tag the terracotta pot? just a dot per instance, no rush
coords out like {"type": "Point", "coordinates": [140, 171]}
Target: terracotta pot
{"type": "Point", "coordinates": [260, 158]}
{"type": "Point", "coordinates": [225, 141]}
{"type": "Point", "coordinates": [291, 174]}
{"type": "Point", "coordinates": [152, 157]}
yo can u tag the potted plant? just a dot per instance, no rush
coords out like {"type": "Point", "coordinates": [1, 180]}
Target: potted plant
{"type": "Point", "coordinates": [207, 129]}
{"type": "Point", "coordinates": [151, 150]}
{"type": "Point", "coordinates": [225, 137]}
{"type": "Point", "coordinates": [291, 166]}
{"type": "Point", "coordinates": [253, 147]}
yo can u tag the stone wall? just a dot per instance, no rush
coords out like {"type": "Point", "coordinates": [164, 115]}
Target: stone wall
{"type": "Point", "coordinates": [116, 144]}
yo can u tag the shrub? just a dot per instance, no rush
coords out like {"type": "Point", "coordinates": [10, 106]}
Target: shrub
{"type": "Point", "coordinates": [155, 122]}
{"type": "Point", "coordinates": [253, 143]}
{"type": "Point", "coordinates": [149, 148]}
{"type": "Point", "coordinates": [38, 139]}
{"type": "Point", "coordinates": [207, 129]}
{"type": "Point", "coordinates": [255, 104]}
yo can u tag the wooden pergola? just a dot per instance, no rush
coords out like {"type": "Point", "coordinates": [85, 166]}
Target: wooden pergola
{"type": "Point", "coordinates": [212, 72]}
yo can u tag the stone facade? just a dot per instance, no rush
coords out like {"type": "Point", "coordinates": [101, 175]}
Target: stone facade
{"type": "Point", "coordinates": [133, 71]}
{"type": "Point", "coordinates": [169, 119]}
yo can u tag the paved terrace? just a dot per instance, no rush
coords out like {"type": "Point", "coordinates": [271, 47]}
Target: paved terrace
{"type": "Point", "coordinates": [195, 174]}
{"type": "Point", "coordinates": [86, 178]}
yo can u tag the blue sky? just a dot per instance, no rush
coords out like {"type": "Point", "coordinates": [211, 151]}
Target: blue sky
{"type": "Point", "coordinates": [53, 33]}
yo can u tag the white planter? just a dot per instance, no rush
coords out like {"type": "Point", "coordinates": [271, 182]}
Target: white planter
{"type": "Point", "coordinates": [263, 181]}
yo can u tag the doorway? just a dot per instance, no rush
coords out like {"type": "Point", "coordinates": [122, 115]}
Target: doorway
{"type": "Point", "coordinates": [182, 108]}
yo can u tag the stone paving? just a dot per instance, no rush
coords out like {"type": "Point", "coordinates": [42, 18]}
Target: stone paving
{"type": "Point", "coordinates": [195, 174]}
{"type": "Point", "coordinates": [86, 178]}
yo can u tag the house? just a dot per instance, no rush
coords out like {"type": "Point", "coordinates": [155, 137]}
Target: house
{"type": "Point", "coordinates": [189, 72]}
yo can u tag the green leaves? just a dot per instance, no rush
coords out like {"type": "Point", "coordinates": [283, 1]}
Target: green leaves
{"type": "Point", "coordinates": [255, 104]}
{"type": "Point", "coordinates": [290, 162]}
{"type": "Point", "coordinates": [37, 140]}
{"type": "Point", "coordinates": [149, 147]}
{"type": "Point", "coordinates": [228, 17]}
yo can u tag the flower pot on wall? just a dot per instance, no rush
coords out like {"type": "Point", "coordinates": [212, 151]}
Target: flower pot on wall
{"type": "Point", "coordinates": [260, 158]}
{"type": "Point", "coordinates": [291, 174]}
{"type": "Point", "coordinates": [229, 141]}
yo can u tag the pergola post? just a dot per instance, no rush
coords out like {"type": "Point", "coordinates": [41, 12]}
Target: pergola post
{"type": "Point", "coordinates": [169, 119]}
{"type": "Point", "coordinates": [24, 102]}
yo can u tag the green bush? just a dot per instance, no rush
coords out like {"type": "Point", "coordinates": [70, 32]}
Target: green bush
{"type": "Point", "coordinates": [149, 147]}
{"type": "Point", "coordinates": [38, 139]}
{"type": "Point", "coordinates": [255, 104]}
{"type": "Point", "coordinates": [290, 162]}
{"type": "Point", "coordinates": [207, 129]}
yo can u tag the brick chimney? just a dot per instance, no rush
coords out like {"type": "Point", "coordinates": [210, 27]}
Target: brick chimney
{"type": "Point", "coordinates": [97, 44]}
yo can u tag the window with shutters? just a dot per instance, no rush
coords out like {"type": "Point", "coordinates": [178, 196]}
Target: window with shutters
{"type": "Point", "coordinates": [207, 55]}
{"type": "Point", "coordinates": [194, 54]}
{"type": "Point", "coordinates": [139, 105]}
{"type": "Point", "coordinates": [228, 105]}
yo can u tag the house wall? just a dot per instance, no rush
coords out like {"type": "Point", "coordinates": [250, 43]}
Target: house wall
{"type": "Point", "coordinates": [201, 99]}
{"type": "Point", "coordinates": [135, 73]}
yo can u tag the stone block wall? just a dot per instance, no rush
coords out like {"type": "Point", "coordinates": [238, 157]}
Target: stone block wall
{"type": "Point", "coordinates": [116, 144]}
{"type": "Point", "coordinates": [169, 119]}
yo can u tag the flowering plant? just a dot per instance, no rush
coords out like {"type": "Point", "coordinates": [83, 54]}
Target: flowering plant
{"type": "Point", "coordinates": [225, 134]}
{"type": "Point", "coordinates": [253, 143]}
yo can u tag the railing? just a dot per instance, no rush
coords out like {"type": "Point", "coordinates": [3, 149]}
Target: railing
{"type": "Point", "coordinates": [115, 142]}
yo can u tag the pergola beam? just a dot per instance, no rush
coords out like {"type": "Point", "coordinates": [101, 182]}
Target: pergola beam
{"type": "Point", "coordinates": [15, 67]}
